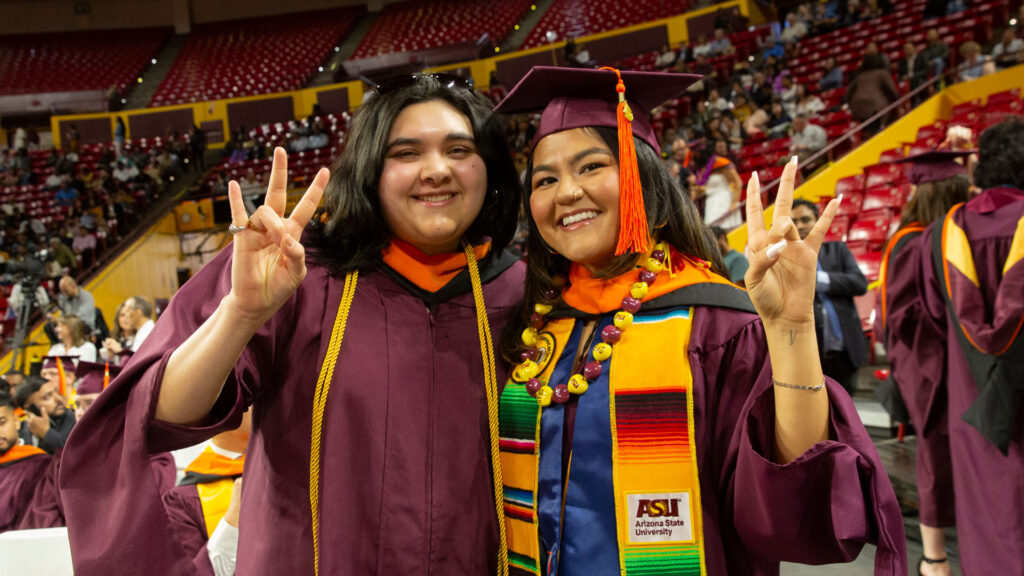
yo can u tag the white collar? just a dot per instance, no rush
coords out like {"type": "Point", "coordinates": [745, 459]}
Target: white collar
{"type": "Point", "coordinates": [226, 453]}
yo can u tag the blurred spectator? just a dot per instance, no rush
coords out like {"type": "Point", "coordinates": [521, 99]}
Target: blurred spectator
{"type": "Point", "coordinates": [72, 139]}
{"type": "Point", "coordinates": [806, 140]}
{"type": "Point", "coordinates": [760, 90]}
{"type": "Point", "coordinates": [723, 151]}
{"type": "Point", "coordinates": [1010, 50]}
{"type": "Point", "coordinates": [120, 338]}
{"type": "Point", "coordinates": [931, 60]}
{"type": "Point", "coordinates": [824, 21]}
{"type": "Point", "coordinates": [63, 255]}
{"type": "Point", "coordinates": [138, 313]}
{"type": "Point", "coordinates": [788, 94]}
{"type": "Point", "coordinates": [718, 182]}
{"type": "Point", "coordinates": [716, 102]}
{"type": "Point", "coordinates": [871, 91]}
{"type": "Point", "coordinates": [974, 64]}
{"type": "Point", "coordinates": [778, 119]}
{"type": "Point", "coordinates": [735, 262]}
{"type": "Point", "coordinates": [852, 15]}
{"type": "Point", "coordinates": [125, 171]}
{"type": "Point", "coordinates": [72, 340]}
{"type": "Point", "coordinates": [757, 121]}
{"type": "Point", "coordinates": [721, 45]}
{"type": "Point", "coordinates": [65, 195]}
{"type": "Point", "coordinates": [795, 29]}
{"type": "Point", "coordinates": [872, 49]}
{"type": "Point", "coordinates": [120, 132]}
{"type": "Point", "coordinates": [905, 66]}
{"type": "Point", "coordinates": [741, 107]}
{"type": "Point", "coordinates": [318, 137]}
{"type": "Point", "coordinates": [20, 139]}
{"type": "Point", "coordinates": [732, 132]}
{"type": "Point", "coordinates": [197, 148]}
{"type": "Point", "coordinates": [808, 105]}
{"type": "Point", "coordinates": [84, 244]}
{"type": "Point", "coordinates": [666, 58]}
{"type": "Point", "coordinates": [703, 47]}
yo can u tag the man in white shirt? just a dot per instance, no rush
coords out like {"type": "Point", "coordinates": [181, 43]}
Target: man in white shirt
{"type": "Point", "coordinates": [1010, 51]}
{"type": "Point", "coordinates": [140, 318]}
{"type": "Point", "coordinates": [807, 138]}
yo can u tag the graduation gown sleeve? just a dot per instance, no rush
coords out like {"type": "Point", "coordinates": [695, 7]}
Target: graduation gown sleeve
{"type": "Point", "coordinates": [108, 483]}
{"type": "Point", "coordinates": [820, 508]}
{"type": "Point", "coordinates": [20, 496]}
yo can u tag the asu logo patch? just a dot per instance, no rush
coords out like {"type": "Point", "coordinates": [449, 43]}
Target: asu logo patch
{"type": "Point", "coordinates": [663, 517]}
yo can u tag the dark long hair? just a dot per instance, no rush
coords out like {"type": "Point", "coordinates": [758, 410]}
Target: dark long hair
{"type": "Point", "coordinates": [932, 200]}
{"type": "Point", "coordinates": [671, 217]}
{"type": "Point", "coordinates": [350, 232]}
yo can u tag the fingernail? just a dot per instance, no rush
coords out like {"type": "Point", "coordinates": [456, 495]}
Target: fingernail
{"type": "Point", "coordinates": [774, 250]}
{"type": "Point", "coordinates": [756, 178]}
{"type": "Point", "coordinates": [840, 198]}
{"type": "Point", "coordinates": [794, 160]}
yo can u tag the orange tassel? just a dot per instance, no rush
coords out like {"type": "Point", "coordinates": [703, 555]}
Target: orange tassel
{"type": "Point", "coordinates": [106, 375]}
{"type": "Point", "coordinates": [633, 233]}
{"type": "Point", "coordinates": [61, 379]}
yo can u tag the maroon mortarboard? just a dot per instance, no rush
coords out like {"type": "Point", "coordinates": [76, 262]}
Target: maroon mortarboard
{"type": "Point", "coordinates": [571, 98]}
{"type": "Point", "coordinates": [67, 362]}
{"type": "Point", "coordinates": [577, 97]}
{"type": "Point", "coordinates": [935, 165]}
{"type": "Point", "coordinates": [94, 377]}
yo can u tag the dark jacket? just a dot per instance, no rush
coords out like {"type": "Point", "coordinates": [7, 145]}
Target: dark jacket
{"type": "Point", "coordinates": [60, 429]}
{"type": "Point", "coordinates": [870, 92]}
{"type": "Point", "coordinates": [845, 281]}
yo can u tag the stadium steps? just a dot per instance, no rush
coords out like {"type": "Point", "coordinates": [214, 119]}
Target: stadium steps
{"type": "Point", "coordinates": [154, 75]}
{"type": "Point", "coordinates": [515, 40]}
{"type": "Point", "coordinates": [333, 72]}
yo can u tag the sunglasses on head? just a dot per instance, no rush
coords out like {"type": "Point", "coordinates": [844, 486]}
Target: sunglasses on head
{"type": "Point", "coordinates": [449, 81]}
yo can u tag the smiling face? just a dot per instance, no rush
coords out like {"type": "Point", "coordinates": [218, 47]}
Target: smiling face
{"type": "Point", "coordinates": [434, 181]}
{"type": "Point", "coordinates": [575, 196]}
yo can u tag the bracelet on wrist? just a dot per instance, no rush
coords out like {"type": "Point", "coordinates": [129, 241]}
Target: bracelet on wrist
{"type": "Point", "coordinates": [799, 387]}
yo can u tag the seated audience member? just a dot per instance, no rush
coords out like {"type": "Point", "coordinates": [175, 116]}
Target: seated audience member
{"type": "Point", "coordinates": [795, 29]}
{"type": "Point", "coordinates": [806, 139]}
{"type": "Point", "coordinates": [1010, 50]}
{"type": "Point", "coordinates": [48, 422]}
{"type": "Point", "coordinates": [833, 77]}
{"type": "Point", "coordinates": [117, 347]}
{"type": "Point", "coordinates": [778, 119]}
{"type": "Point", "coordinates": [11, 381]}
{"type": "Point", "coordinates": [318, 137]}
{"type": "Point", "coordinates": [872, 50]}
{"type": "Point", "coordinates": [203, 508]}
{"type": "Point", "coordinates": [808, 104]}
{"type": "Point", "coordinates": [716, 102]}
{"type": "Point", "coordinates": [720, 44]}
{"type": "Point", "coordinates": [72, 340]}
{"type": "Point", "coordinates": [905, 65]}
{"type": "Point", "coordinates": [973, 64]}
{"type": "Point", "coordinates": [788, 95]}
{"type": "Point", "coordinates": [58, 370]}
{"type": "Point", "coordinates": [741, 106]}
{"type": "Point", "coordinates": [757, 121]}
{"type": "Point", "coordinates": [65, 195]}
{"type": "Point", "coordinates": [931, 60]}
{"type": "Point", "coordinates": [125, 171]}
{"type": "Point", "coordinates": [703, 47]}
{"type": "Point", "coordinates": [84, 244]}
{"type": "Point", "coordinates": [735, 262]}
{"type": "Point", "coordinates": [666, 57]}
{"type": "Point", "coordinates": [28, 478]}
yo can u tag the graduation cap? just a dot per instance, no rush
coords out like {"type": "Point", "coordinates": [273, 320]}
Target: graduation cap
{"type": "Point", "coordinates": [935, 165]}
{"type": "Point", "coordinates": [571, 98]}
{"type": "Point", "coordinates": [94, 377]}
{"type": "Point", "coordinates": [63, 364]}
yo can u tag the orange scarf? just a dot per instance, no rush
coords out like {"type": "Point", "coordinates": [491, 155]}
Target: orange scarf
{"type": "Point", "coordinates": [603, 295]}
{"type": "Point", "coordinates": [19, 453]}
{"type": "Point", "coordinates": [431, 272]}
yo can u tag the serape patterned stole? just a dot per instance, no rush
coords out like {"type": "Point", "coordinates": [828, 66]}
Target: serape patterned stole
{"type": "Point", "coordinates": [657, 492]}
{"type": "Point", "coordinates": [658, 505]}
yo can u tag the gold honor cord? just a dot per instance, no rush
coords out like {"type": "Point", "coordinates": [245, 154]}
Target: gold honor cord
{"type": "Point", "coordinates": [323, 385]}
{"type": "Point", "coordinates": [491, 383]}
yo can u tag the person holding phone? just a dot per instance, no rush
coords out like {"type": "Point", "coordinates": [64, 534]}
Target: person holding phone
{"type": "Point", "coordinates": [48, 422]}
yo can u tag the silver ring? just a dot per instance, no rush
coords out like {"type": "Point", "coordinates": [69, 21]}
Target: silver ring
{"type": "Point", "coordinates": [232, 229]}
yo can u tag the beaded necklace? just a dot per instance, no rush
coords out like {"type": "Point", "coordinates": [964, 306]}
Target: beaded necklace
{"type": "Point", "coordinates": [579, 382]}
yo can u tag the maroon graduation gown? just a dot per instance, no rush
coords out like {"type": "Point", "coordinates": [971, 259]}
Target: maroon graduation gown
{"type": "Point", "coordinates": [28, 494]}
{"type": "Point", "coordinates": [989, 486]}
{"type": "Point", "coordinates": [405, 472]}
{"type": "Point", "coordinates": [185, 511]}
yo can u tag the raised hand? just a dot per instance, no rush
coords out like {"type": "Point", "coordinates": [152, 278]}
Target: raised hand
{"type": "Point", "coordinates": [783, 267]}
{"type": "Point", "coordinates": [269, 262]}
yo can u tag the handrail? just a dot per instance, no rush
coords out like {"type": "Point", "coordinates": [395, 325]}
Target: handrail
{"type": "Point", "coordinates": [842, 139]}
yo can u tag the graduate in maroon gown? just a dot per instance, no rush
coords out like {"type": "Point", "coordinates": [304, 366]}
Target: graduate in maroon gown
{"type": "Point", "coordinates": [662, 420]}
{"type": "Point", "coordinates": [204, 507]}
{"type": "Point", "coordinates": [28, 479]}
{"type": "Point", "coordinates": [940, 181]}
{"type": "Point", "coordinates": [363, 346]}
{"type": "Point", "coordinates": [955, 306]}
